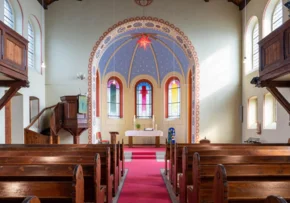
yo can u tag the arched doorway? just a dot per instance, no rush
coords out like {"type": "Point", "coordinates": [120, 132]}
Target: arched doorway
{"type": "Point", "coordinates": [123, 32]}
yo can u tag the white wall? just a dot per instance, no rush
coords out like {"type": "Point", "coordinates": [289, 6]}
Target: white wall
{"type": "Point", "coordinates": [17, 133]}
{"type": "Point", "coordinates": [214, 28]}
{"type": "Point", "coordinates": [37, 81]}
{"type": "Point", "coordinates": [281, 133]}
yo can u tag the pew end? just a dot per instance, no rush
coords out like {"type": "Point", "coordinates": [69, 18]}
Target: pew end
{"type": "Point", "coordinates": [275, 199]}
{"type": "Point", "coordinates": [220, 185]}
{"type": "Point", "coordinates": [31, 199]}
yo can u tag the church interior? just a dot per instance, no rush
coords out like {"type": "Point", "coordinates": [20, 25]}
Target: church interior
{"type": "Point", "coordinates": [144, 101]}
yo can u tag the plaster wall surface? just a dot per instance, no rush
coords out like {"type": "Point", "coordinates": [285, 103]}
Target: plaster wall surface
{"type": "Point", "coordinates": [214, 28]}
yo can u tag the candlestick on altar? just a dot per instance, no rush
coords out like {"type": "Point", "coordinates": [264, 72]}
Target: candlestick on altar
{"type": "Point", "coordinates": [134, 122]}
{"type": "Point", "coordinates": [155, 126]}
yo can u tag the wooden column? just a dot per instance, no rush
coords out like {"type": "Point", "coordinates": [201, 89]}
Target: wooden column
{"type": "Point", "coordinates": [157, 141]}
{"type": "Point", "coordinates": [8, 121]}
{"type": "Point", "coordinates": [76, 139]}
{"type": "Point", "coordinates": [114, 137]}
{"type": "Point", "coordinates": [130, 141]}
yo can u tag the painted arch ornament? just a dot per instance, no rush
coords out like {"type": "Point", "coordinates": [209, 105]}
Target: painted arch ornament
{"type": "Point", "coordinates": [143, 2]}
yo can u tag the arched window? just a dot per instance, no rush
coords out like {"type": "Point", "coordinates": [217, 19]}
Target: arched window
{"type": "Point", "coordinates": [277, 18]}
{"type": "Point", "coordinates": [270, 111]}
{"type": "Point", "coordinates": [172, 98]}
{"type": "Point", "coordinates": [9, 18]}
{"type": "Point", "coordinates": [253, 113]}
{"type": "Point", "coordinates": [114, 95]}
{"type": "Point", "coordinates": [255, 47]}
{"type": "Point", "coordinates": [31, 46]}
{"type": "Point", "coordinates": [144, 99]}
{"type": "Point", "coordinates": [251, 46]}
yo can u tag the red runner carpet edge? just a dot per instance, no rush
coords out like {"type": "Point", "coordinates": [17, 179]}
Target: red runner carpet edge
{"type": "Point", "coordinates": [144, 183]}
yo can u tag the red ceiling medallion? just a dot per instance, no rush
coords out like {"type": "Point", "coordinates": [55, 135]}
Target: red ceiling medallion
{"type": "Point", "coordinates": [143, 2]}
{"type": "Point", "coordinates": [144, 41]}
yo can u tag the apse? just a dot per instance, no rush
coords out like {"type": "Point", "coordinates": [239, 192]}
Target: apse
{"type": "Point", "coordinates": [161, 56]}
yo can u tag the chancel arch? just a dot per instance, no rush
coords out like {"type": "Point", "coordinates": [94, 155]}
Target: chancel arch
{"type": "Point", "coordinates": [119, 51]}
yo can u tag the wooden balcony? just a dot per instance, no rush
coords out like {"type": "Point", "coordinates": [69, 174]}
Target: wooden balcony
{"type": "Point", "coordinates": [275, 63]}
{"type": "Point", "coordinates": [13, 62]}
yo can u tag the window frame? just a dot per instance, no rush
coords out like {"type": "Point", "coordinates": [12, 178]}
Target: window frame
{"type": "Point", "coordinates": [255, 46]}
{"type": "Point", "coordinates": [279, 3]}
{"type": "Point", "coordinates": [152, 98]}
{"type": "Point", "coordinates": [273, 124]}
{"type": "Point", "coordinates": [31, 54]}
{"type": "Point", "coordinates": [121, 97]}
{"type": "Point", "coordinates": [168, 82]}
{"type": "Point", "coordinates": [11, 10]}
{"type": "Point", "coordinates": [253, 125]}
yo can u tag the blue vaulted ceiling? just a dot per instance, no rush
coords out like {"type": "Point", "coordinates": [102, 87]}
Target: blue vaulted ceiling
{"type": "Point", "coordinates": [125, 57]}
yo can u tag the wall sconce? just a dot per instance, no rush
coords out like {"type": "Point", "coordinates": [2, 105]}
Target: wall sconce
{"type": "Point", "coordinates": [81, 76]}
{"type": "Point", "coordinates": [259, 128]}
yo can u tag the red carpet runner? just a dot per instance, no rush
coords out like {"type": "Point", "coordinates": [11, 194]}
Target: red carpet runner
{"type": "Point", "coordinates": [144, 183]}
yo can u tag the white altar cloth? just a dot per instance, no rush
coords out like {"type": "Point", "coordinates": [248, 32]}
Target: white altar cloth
{"type": "Point", "coordinates": [140, 133]}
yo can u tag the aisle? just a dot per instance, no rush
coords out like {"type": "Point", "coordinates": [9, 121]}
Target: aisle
{"type": "Point", "coordinates": [144, 183]}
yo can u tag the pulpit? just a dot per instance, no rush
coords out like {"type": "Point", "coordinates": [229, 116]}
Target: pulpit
{"type": "Point", "coordinates": [75, 115]}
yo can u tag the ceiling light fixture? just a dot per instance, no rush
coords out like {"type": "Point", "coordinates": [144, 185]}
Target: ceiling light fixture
{"type": "Point", "coordinates": [144, 41]}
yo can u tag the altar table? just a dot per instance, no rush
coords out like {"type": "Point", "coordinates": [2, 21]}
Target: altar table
{"type": "Point", "coordinates": [142, 133]}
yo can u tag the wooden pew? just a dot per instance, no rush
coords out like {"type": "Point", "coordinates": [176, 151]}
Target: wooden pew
{"type": "Point", "coordinates": [15, 190]}
{"type": "Point", "coordinates": [246, 191]}
{"type": "Point", "coordinates": [31, 199]}
{"type": "Point", "coordinates": [120, 147]}
{"type": "Point", "coordinates": [218, 149]}
{"type": "Point", "coordinates": [67, 150]}
{"type": "Point", "coordinates": [92, 175]}
{"type": "Point", "coordinates": [275, 199]}
{"type": "Point", "coordinates": [94, 192]}
{"type": "Point", "coordinates": [167, 155]}
{"type": "Point", "coordinates": [203, 175]}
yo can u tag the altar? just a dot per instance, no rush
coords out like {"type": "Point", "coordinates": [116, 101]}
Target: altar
{"type": "Point", "coordinates": [142, 133]}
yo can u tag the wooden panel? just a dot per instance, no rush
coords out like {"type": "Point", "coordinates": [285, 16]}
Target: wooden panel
{"type": "Point", "coordinates": [272, 53]}
{"type": "Point", "coordinates": [13, 52]}
{"type": "Point", "coordinates": [31, 137]}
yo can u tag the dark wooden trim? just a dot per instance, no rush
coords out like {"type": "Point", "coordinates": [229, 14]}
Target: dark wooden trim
{"type": "Point", "coordinates": [152, 98]}
{"type": "Point", "coordinates": [281, 84]}
{"type": "Point", "coordinates": [98, 94]}
{"type": "Point", "coordinates": [280, 98]}
{"type": "Point", "coordinates": [8, 95]}
{"type": "Point", "coordinates": [8, 123]}
{"type": "Point", "coordinates": [189, 107]}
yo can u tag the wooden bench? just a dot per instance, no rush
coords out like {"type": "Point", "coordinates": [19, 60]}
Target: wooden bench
{"type": "Point", "coordinates": [15, 189]}
{"type": "Point", "coordinates": [218, 149]}
{"type": "Point", "coordinates": [88, 163]}
{"type": "Point", "coordinates": [120, 149]}
{"type": "Point", "coordinates": [245, 190]}
{"type": "Point", "coordinates": [203, 175]}
{"type": "Point", "coordinates": [31, 199]}
{"type": "Point", "coordinates": [67, 151]}
{"type": "Point", "coordinates": [94, 192]}
{"type": "Point", "coordinates": [275, 199]}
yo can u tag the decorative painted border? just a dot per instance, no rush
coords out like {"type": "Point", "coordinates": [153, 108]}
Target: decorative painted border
{"type": "Point", "coordinates": [99, 48]}
{"type": "Point", "coordinates": [138, 2]}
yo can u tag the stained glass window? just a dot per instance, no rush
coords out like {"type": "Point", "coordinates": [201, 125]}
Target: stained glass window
{"type": "Point", "coordinates": [144, 100]}
{"type": "Point", "coordinates": [174, 99]}
{"type": "Point", "coordinates": [113, 95]}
